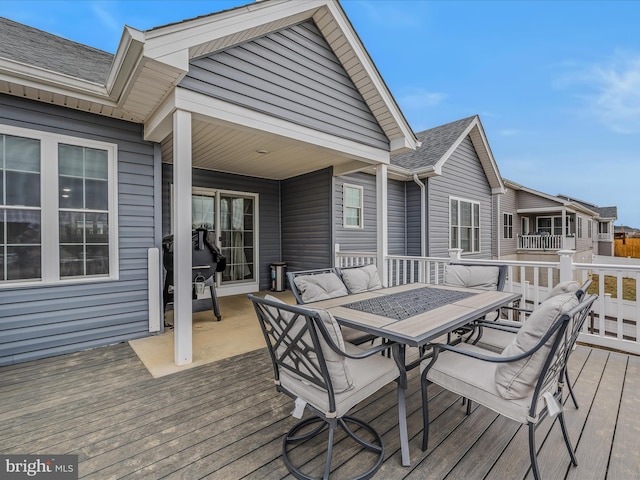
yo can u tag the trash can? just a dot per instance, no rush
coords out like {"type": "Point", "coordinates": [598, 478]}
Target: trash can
{"type": "Point", "coordinates": [278, 276]}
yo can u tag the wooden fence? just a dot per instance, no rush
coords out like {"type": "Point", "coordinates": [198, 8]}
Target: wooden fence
{"type": "Point", "coordinates": [630, 247]}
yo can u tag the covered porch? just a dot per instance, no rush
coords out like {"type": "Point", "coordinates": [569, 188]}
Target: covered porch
{"type": "Point", "coordinates": [226, 420]}
{"type": "Point", "coordinates": [261, 104]}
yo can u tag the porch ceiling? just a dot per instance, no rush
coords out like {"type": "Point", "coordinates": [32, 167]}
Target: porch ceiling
{"type": "Point", "coordinates": [229, 149]}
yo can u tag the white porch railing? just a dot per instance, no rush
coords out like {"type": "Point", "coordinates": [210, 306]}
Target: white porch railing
{"type": "Point", "coordinates": [545, 242]}
{"type": "Point", "coordinates": [605, 237]}
{"type": "Point", "coordinates": [614, 322]}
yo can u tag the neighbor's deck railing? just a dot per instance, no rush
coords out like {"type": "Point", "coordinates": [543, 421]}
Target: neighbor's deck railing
{"type": "Point", "coordinates": [545, 242]}
{"type": "Point", "coordinates": [614, 320]}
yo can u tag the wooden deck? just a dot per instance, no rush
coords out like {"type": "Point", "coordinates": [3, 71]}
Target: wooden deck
{"type": "Point", "coordinates": [225, 421]}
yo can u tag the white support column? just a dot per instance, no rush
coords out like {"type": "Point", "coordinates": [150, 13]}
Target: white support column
{"type": "Point", "coordinates": [566, 265]}
{"type": "Point", "coordinates": [182, 307]}
{"type": "Point", "coordinates": [383, 231]}
{"type": "Point", "coordinates": [564, 229]}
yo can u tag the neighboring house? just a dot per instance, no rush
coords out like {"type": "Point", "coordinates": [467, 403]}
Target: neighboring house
{"type": "Point", "coordinates": [603, 237]}
{"type": "Point", "coordinates": [535, 226]}
{"type": "Point", "coordinates": [235, 120]}
{"type": "Point", "coordinates": [440, 196]}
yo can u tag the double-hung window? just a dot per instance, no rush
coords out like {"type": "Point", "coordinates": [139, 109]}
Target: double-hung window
{"type": "Point", "coordinates": [507, 225]}
{"type": "Point", "coordinates": [464, 225]}
{"type": "Point", "coordinates": [58, 212]}
{"type": "Point", "coordinates": [353, 206]}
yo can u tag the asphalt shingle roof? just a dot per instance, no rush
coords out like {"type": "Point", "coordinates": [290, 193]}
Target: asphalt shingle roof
{"type": "Point", "coordinates": [34, 47]}
{"type": "Point", "coordinates": [435, 143]}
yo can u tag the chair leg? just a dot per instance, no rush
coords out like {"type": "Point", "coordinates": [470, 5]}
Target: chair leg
{"type": "Point", "coordinates": [567, 441]}
{"type": "Point", "coordinates": [532, 451]}
{"type": "Point", "coordinates": [468, 407]}
{"type": "Point", "coordinates": [573, 396]}
{"type": "Point", "coordinates": [425, 413]}
{"type": "Point", "coordinates": [292, 437]}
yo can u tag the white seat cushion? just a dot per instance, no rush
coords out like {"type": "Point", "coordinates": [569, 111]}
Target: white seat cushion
{"type": "Point", "coordinates": [369, 374]}
{"type": "Point", "coordinates": [475, 379]}
{"type": "Point", "coordinates": [361, 279]}
{"type": "Point", "coordinates": [563, 287]}
{"type": "Point", "coordinates": [517, 379]}
{"type": "Point", "coordinates": [320, 286]}
{"type": "Point", "coordinates": [475, 276]}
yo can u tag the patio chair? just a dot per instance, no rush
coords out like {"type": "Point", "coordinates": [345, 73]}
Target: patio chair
{"type": "Point", "coordinates": [475, 275]}
{"type": "Point", "coordinates": [320, 284]}
{"type": "Point", "coordinates": [495, 336]}
{"type": "Point", "coordinates": [314, 366]}
{"type": "Point", "coordinates": [524, 382]}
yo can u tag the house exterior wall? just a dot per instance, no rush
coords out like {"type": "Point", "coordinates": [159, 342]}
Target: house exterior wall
{"type": "Point", "coordinates": [462, 177]}
{"type": "Point", "coordinates": [356, 239]}
{"type": "Point", "coordinates": [268, 210]}
{"type": "Point", "coordinates": [291, 74]}
{"type": "Point", "coordinates": [413, 217]}
{"type": "Point", "coordinates": [529, 200]}
{"type": "Point", "coordinates": [42, 321]}
{"type": "Point", "coordinates": [365, 239]}
{"type": "Point", "coordinates": [508, 204]}
{"type": "Point", "coordinates": [306, 216]}
{"type": "Point", "coordinates": [396, 217]}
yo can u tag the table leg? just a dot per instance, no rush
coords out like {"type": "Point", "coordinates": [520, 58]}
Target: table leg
{"type": "Point", "coordinates": [399, 356]}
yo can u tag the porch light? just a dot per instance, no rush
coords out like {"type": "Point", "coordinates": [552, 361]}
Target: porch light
{"type": "Point", "coordinates": [262, 152]}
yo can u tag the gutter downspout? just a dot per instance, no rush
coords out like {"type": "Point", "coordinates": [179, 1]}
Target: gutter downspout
{"type": "Point", "coordinates": [423, 212]}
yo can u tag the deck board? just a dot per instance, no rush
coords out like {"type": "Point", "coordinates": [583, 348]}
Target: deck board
{"type": "Point", "coordinates": [225, 420]}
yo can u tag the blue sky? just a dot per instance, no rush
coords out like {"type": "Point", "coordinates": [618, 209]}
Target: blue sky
{"type": "Point", "coordinates": [556, 83]}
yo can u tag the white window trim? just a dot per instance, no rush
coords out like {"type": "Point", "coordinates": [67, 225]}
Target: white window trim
{"type": "Point", "coordinates": [50, 240]}
{"type": "Point", "coordinates": [472, 202]}
{"type": "Point", "coordinates": [504, 225]}
{"type": "Point", "coordinates": [344, 206]}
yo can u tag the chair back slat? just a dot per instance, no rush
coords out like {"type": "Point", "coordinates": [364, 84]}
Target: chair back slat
{"type": "Point", "coordinates": [298, 342]}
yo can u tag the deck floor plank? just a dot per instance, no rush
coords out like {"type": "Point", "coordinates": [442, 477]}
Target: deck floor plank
{"type": "Point", "coordinates": [625, 454]}
{"type": "Point", "coordinates": [226, 420]}
{"type": "Point", "coordinates": [597, 436]}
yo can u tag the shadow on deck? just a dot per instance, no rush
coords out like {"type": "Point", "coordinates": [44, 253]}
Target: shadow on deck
{"type": "Point", "coordinates": [225, 420]}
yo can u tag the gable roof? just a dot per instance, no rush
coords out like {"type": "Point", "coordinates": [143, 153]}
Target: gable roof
{"type": "Point", "coordinates": [149, 64]}
{"type": "Point", "coordinates": [37, 48]}
{"type": "Point", "coordinates": [603, 212]}
{"type": "Point", "coordinates": [439, 143]}
{"type": "Point", "coordinates": [563, 203]}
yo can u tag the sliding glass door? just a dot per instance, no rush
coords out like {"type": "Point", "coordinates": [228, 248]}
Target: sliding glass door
{"type": "Point", "coordinates": [232, 217]}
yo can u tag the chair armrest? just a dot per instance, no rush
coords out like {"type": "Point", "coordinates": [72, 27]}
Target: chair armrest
{"type": "Point", "coordinates": [497, 325]}
{"type": "Point", "coordinates": [491, 358]}
{"type": "Point", "coordinates": [368, 352]}
{"type": "Point", "coordinates": [517, 309]}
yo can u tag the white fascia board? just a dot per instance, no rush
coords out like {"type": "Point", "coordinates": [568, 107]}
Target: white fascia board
{"type": "Point", "coordinates": [237, 116]}
{"type": "Point", "coordinates": [59, 83]}
{"type": "Point", "coordinates": [402, 145]}
{"type": "Point", "coordinates": [487, 149]}
{"type": "Point", "coordinates": [184, 35]}
{"type": "Point", "coordinates": [372, 72]}
{"type": "Point", "coordinates": [160, 122]}
{"type": "Point", "coordinates": [126, 61]}
{"type": "Point", "coordinates": [440, 163]}
{"type": "Point", "coordinates": [545, 210]}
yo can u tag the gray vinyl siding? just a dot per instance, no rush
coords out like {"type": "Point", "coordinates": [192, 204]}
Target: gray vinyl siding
{"type": "Point", "coordinates": [509, 246]}
{"type": "Point", "coordinates": [293, 75]}
{"type": "Point", "coordinates": [462, 177]}
{"type": "Point", "coordinates": [268, 210]}
{"type": "Point", "coordinates": [585, 242]}
{"type": "Point", "coordinates": [42, 321]}
{"type": "Point", "coordinates": [413, 197]}
{"type": "Point", "coordinates": [356, 239]}
{"type": "Point", "coordinates": [529, 200]}
{"type": "Point", "coordinates": [306, 221]}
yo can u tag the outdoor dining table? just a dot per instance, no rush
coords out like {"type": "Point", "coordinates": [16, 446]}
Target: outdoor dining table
{"type": "Point", "coordinates": [413, 315]}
